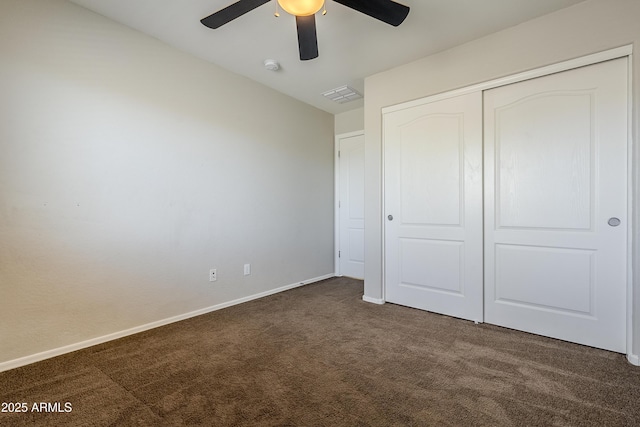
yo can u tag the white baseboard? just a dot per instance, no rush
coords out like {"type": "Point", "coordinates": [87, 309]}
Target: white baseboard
{"type": "Point", "coordinates": [633, 359]}
{"type": "Point", "coordinates": [378, 301]}
{"type": "Point", "coordinates": [16, 363]}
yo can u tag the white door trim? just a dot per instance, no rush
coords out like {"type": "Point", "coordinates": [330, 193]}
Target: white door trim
{"type": "Point", "coordinates": [336, 192]}
{"type": "Point", "coordinates": [633, 187]}
{"type": "Point", "coordinates": [606, 55]}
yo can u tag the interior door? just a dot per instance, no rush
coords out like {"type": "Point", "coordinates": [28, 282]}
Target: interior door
{"type": "Point", "coordinates": [556, 205]}
{"type": "Point", "coordinates": [351, 206]}
{"type": "Point", "coordinates": [433, 206]}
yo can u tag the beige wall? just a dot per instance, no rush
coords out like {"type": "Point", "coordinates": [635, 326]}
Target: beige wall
{"type": "Point", "coordinates": [349, 121]}
{"type": "Point", "coordinates": [586, 28]}
{"type": "Point", "coordinates": [128, 169]}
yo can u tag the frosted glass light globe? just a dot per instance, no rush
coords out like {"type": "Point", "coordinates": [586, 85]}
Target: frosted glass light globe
{"type": "Point", "coordinates": [301, 7]}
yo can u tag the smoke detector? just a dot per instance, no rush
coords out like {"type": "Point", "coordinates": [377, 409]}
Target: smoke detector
{"type": "Point", "coordinates": [271, 65]}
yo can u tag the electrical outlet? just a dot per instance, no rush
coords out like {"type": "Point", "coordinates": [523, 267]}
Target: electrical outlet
{"type": "Point", "coordinates": [247, 269]}
{"type": "Point", "coordinates": [213, 275]}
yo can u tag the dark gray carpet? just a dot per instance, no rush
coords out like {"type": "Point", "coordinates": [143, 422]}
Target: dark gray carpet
{"type": "Point", "coordinates": [320, 356]}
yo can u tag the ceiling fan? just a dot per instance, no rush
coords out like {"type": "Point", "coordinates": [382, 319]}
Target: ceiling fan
{"type": "Point", "coordinates": [304, 10]}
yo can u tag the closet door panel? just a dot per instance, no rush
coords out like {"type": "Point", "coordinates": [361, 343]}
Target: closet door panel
{"type": "Point", "coordinates": [556, 205]}
{"type": "Point", "coordinates": [433, 206]}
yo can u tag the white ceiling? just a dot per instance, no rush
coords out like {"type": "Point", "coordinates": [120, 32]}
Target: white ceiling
{"type": "Point", "coordinates": [352, 45]}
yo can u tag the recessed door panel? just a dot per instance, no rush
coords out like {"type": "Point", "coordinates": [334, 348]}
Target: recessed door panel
{"type": "Point", "coordinates": [431, 154]}
{"type": "Point", "coordinates": [432, 265]}
{"type": "Point", "coordinates": [544, 151]}
{"type": "Point", "coordinates": [356, 245]}
{"type": "Point", "coordinates": [528, 276]}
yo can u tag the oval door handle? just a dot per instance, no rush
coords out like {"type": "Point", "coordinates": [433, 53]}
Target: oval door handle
{"type": "Point", "coordinates": [613, 221]}
{"type": "Point", "coordinates": [390, 217]}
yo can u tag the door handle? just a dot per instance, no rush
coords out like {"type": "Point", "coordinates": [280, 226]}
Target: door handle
{"type": "Point", "coordinates": [613, 221]}
{"type": "Point", "coordinates": [390, 217]}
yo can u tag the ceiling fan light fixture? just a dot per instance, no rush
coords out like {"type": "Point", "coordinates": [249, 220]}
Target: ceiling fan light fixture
{"type": "Point", "coordinates": [301, 7]}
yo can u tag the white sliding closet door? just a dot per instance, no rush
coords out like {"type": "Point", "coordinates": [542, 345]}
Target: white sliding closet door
{"type": "Point", "coordinates": [556, 205]}
{"type": "Point", "coordinates": [433, 206]}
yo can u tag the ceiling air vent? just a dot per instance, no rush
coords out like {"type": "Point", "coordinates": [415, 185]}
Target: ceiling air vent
{"type": "Point", "coordinates": [342, 94]}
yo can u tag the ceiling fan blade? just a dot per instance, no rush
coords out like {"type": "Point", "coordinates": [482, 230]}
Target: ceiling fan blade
{"type": "Point", "coordinates": [231, 12]}
{"type": "Point", "coordinates": [385, 10]}
{"type": "Point", "coordinates": [307, 38]}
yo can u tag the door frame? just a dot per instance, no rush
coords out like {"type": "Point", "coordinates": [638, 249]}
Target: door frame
{"type": "Point", "coordinates": [336, 192]}
{"type": "Point", "coordinates": [619, 52]}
